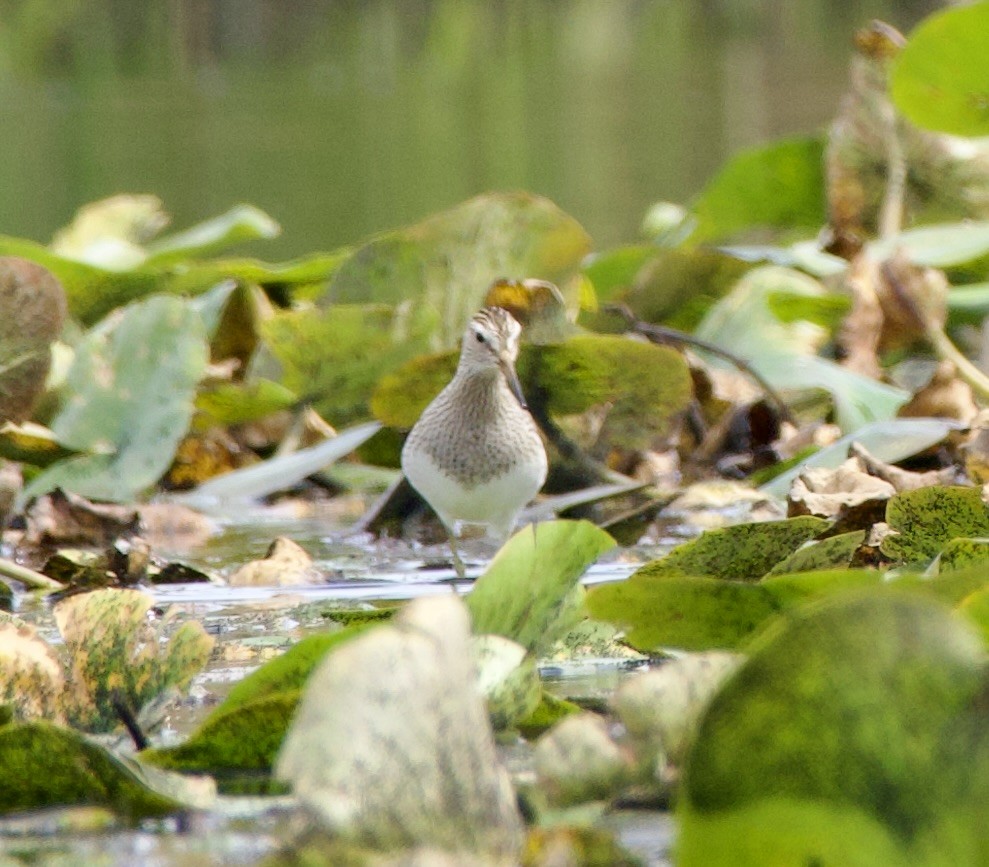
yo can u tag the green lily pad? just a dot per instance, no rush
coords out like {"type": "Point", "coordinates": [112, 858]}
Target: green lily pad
{"type": "Point", "coordinates": [793, 588]}
{"type": "Point", "coordinates": [941, 78]}
{"type": "Point", "coordinates": [929, 518]}
{"type": "Point", "coordinates": [131, 390]}
{"type": "Point", "coordinates": [779, 185]}
{"type": "Point", "coordinates": [444, 265]}
{"type": "Point", "coordinates": [44, 765]}
{"type": "Point", "coordinates": [743, 552]}
{"type": "Point", "coordinates": [337, 355]}
{"type": "Point", "coordinates": [962, 554]}
{"type": "Point", "coordinates": [647, 386]}
{"type": "Point", "coordinates": [241, 223]}
{"type": "Point", "coordinates": [531, 591]}
{"type": "Point", "coordinates": [661, 611]}
{"type": "Point", "coordinates": [835, 723]}
{"type": "Point", "coordinates": [835, 552]}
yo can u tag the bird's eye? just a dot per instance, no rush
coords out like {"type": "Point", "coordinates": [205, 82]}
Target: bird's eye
{"type": "Point", "coordinates": [479, 336]}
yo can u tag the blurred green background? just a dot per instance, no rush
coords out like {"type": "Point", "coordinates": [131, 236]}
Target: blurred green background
{"type": "Point", "coordinates": [343, 118]}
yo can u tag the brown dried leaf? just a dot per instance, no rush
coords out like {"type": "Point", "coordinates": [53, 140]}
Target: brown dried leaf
{"type": "Point", "coordinates": [946, 395]}
{"type": "Point", "coordinates": [286, 564]}
{"type": "Point", "coordinates": [900, 479]}
{"type": "Point", "coordinates": [61, 518]}
{"type": "Point", "coordinates": [840, 493]}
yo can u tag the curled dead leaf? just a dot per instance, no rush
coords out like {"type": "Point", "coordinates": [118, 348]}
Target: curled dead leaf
{"type": "Point", "coordinates": [286, 564]}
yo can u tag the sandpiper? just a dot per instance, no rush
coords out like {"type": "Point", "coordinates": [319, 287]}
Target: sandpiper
{"type": "Point", "coordinates": [475, 455]}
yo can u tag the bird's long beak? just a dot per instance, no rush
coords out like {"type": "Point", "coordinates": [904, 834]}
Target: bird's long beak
{"type": "Point", "coordinates": [508, 368]}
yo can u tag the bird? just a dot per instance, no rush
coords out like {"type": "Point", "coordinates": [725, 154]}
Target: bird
{"type": "Point", "coordinates": [475, 455]}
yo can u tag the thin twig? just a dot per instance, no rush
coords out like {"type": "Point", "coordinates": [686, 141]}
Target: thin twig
{"type": "Point", "coordinates": [28, 577]}
{"type": "Point", "coordinates": [126, 716]}
{"type": "Point", "coordinates": [662, 335]}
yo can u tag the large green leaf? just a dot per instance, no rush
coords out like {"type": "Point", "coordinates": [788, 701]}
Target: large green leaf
{"type": "Point", "coordinates": [780, 185]}
{"type": "Point", "coordinates": [130, 399]}
{"type": "Point", "coordinates": [527, 593]}
{"type": "Point", "coordinates": [743, 552]}
{"type": "Point", "coordinates": [838, 742]}
{"type": "Point", "coordinates": [444, 265]}
{"type": "Point", "coordinates": [927, 519]}
{"type": "Point", "coordinates": [941, 78]}
{"type": "Point", "coordinates": [43, 765]}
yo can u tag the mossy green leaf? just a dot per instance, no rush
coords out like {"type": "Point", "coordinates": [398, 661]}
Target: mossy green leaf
{"type": "Point", "coordinates": [402, 395]}
{"type": "Point", "coordinates": [670, 611]}
{"type": "Point", "coordinates": [336, 355]}
{"type": "Point", "coordinates": [550, 710]}
{"type": "Point", "coordinates": [231, 741]}
{"type": "Point", "coordinates": [288, 671]}
{"type": "Point", "coordinates": [940, 79]}
{"type": "Point", "coordinates": [131, 390]}
{"type": "Point", "coordinates": [231, 403]}
{"type": "Point", "coordinates": [841, 710]}
{"type": "Point", "coordinates": [531, 592]}
{"type": "Point", "coordinates": [43, 765]}
{"type": "Point", "coordinates": [743, 552]}
{"type": "Point", "coordinates": [927, 519]}
{"type": "Point", "coordinates": [834, 552]}
{"type": "Point", "coordinates": [779, 185]}
{"type": "Point", "coordinates": [646, 386]}
{"type": "Point", "coordinates": [962, 554]}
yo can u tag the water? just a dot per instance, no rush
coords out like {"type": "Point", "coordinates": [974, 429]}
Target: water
{"type": "Point", "coordinates": [346, 118]}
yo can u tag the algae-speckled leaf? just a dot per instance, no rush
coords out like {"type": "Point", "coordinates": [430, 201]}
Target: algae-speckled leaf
{"type": "Point", "coordinates": [941, 78]}
{"type": "Point", "coordinates": [832, 744]}
{"type": "Point", "coordinates": [530, 591]}
{"type": "Point", "coordinates": [835, 552]}
{"type": "Point", "coordinates": [743, 552]}
{"type": "Point", "coordinates": [962, 553]}
{"type": "Point", "coordinates": [43, 765]}
{"type": "Point", "coordinates": [507, 678]}
{"type": "Point", "coordinates": [130, 399]}
{"type": "Point", "coordinates": [114, 650]}
{"type": "Point", "coordinates": [660, 612]}
{"type": "Point", "coordinates": [927, 519]}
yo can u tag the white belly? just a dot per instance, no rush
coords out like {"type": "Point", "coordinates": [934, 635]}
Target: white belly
{"type": "Point", "coordinates": [495, 503]}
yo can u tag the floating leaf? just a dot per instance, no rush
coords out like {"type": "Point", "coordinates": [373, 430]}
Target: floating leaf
{"type": "Point", "coordinates": [927, 519]}
{"type": "Point", "coordinates": [646, 386]}
{"type": "Point", "coordinates": [115, 651]}
{"type": "Point", "coordinates": [131, 399]}
{"type": "Point", "coordinates": [859, 694]}
{"type": "Point", "coordinates": [831, 553]}
{"type": "Point", "coordinates": [941, 78]}
{"type": "Point", "coordinates": [336, 355]}
{"type": "Point", "coordinates": [962, 554]}
{"type": "Point", "coordinates": [391, 746]}
{"type": "Point", "coordinates": [660, 611]}
{"type": "Point", "coordinates": [445, 264]}
{"type": "Point", "coordinates": [527, 593]}
{"type": "Point", "coordinates": [43, 765]}
{"type": "Point", "coordinates": [743, 552]}
{"type": "Point", "coordinates": [32, 310]}
{"type": "Point", "coordinates": [232, 403]}
{"type": "Point", "coordinates": [780, 185]}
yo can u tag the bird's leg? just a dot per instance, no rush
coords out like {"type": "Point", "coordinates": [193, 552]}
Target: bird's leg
{"type": "Point", "coordinates": [458, 564]}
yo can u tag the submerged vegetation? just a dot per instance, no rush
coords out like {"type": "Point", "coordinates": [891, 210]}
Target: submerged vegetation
{"type": "Point", "coordinates": [788, 356]}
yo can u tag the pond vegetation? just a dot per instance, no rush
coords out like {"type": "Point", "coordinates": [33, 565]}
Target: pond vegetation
{"type": "Point", "coordinates": [748, 612]}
